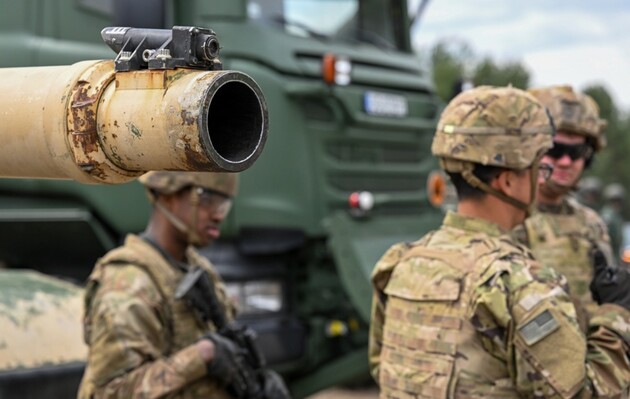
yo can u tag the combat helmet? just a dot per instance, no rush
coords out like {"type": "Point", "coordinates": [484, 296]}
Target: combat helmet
{"type": "Point", "coordinates": [503, 127]}
{"type": "Point", "coordinates": [573, 112]}
{"type": "Point", "coordinates": [591, 184]}
{"type": "Point", "coordinates": [223, 185]}
{"type": "Point", "coordinates": [165, 182]}
{"type": "Point", "coordinates": [614, 191]}
{"type": "Point", "coordinates": [589, 191]}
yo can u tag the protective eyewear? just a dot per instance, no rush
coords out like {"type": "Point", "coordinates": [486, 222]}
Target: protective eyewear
{"type": "Point", "coordinates": [574, 151]}
{"type": "Point", "coordinates": [545, 170]}
{"type": "Point", "coordinates": [217, 201]}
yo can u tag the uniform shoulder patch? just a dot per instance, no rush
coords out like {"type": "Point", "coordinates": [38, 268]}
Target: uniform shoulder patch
{"type": "Point", "coordinates": [539, 327]}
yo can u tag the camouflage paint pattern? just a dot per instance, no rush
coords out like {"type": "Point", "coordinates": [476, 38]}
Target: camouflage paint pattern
{"type": "Point", "coordinates": [564, 238]}
{"type": "Point", "coordinates": [170, 182]}
{"type": "Point", "coordinates": [141, 338]}
{"type": "Point", "coordinates": [40, 320]}
{"type": "Point", "coordinates": [504, 127]}
{"type": "Point", "coordinates": [467, 313]}
{"type": "Point", "coordinates": [573, 112]}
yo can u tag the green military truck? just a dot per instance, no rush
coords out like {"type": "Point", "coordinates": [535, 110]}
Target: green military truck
{"type": "Point", "coordinates": [343, 174]}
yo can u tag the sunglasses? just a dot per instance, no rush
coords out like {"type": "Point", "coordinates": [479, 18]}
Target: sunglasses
{"type": "Point", "coordinates": [215, 200]}
{"type": "Point", "coordinates": [574, 151]}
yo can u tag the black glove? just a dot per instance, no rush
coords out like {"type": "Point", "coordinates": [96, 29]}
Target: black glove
{"type": "Point", "coordinates": [274, 387]}
{"type": "Point", "coordinates": [226, 364]}
{"type": "Point", "coordinates": [610, 284]}
{"type": "Point", "coordinates": [601, 272]}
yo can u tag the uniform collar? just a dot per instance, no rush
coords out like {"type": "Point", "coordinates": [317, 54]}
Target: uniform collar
{"type": "Point", "coordinates": [563, 208]}
{"type": "Point", "coordinates": [458, 221]}
{"type": "Point", "coordinates": [147, 239]}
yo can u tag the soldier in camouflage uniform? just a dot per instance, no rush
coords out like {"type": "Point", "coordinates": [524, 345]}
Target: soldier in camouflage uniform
{"type": "Point", "coordinates": [564, 234]}
{"type": "Point", "coordinates": [143, 342]}
{"type": "Point", "coordinates": [589, 192]}
{"type": "Point", "coordinates": [465, 312]}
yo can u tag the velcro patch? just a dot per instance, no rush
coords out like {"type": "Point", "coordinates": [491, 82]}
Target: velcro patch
{"type": "Point", "coordinates": [538, 328]}
{"type": "Point", "coordinates": [530, 301]}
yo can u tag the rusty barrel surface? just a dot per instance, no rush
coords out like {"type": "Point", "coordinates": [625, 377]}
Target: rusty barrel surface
{"type": "Point", "coordinates": [89, 123]}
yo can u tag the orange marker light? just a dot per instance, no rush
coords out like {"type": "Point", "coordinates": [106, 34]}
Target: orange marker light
{"type": "Point", "coordinates": [328, 68]}
{"type": "Point", "coordinates": [336, 69]}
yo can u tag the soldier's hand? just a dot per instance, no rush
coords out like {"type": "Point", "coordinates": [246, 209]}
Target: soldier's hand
{"type": "Point", "coordinates": [274, 387]}
{"type": "Point", "coordinates": [611, 285]}
{"type": "Point", "coordinates": [226, 363]}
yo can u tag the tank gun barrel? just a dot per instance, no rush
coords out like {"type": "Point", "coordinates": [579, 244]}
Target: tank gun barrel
{"type": "Point", "coordinates": [158, 106]}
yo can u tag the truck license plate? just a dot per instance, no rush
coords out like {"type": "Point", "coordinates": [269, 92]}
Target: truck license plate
{"type": "Point", "coordinates": [385, 104]}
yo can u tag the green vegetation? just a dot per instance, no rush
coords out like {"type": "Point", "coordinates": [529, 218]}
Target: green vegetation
{"type": "Point", "coordinates": [610, 165]}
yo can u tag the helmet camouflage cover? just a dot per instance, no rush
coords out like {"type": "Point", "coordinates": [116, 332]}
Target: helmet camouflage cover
{"type": "Point", "coordinates": [170, 182]}
{"type": "Point", "coordinates": [573, 112]}
{"type": "Point", "coordinates": [499, 126]}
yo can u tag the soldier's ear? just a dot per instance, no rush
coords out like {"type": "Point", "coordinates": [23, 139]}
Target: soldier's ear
{"type": "Point", "coordinates": [505, 181]}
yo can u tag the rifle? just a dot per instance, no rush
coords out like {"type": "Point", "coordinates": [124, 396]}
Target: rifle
{"type": "Point", "coordinates": [197, 288]}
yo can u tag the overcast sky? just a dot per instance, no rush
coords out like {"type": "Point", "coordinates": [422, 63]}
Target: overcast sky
{"type": "Point", "coordinates": [578, 42]}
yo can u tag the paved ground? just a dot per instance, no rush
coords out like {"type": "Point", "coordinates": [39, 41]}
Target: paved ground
{"type": "Point", "coordinates": [342, 393]}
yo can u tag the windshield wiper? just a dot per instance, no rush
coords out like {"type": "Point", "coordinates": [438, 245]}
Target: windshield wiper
{"type": "Point", "coordinates": [374, 38]}
{"type": "Point", "coordinates": [282, 20]}
{"type": "Point", "coordinates": [363, 36]}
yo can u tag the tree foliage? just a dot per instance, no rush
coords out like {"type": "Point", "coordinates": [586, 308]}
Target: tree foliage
{"type": "Point", "coordinates": [454, 62]}
{"type": "Point", "coordinates": [607, 108]}
{"type": "Point", "coordinates": [488, 72]}
{"type": "Point", "coordinates": [610, 164]}
{"type": "Point", "coordinates": [448, 60]}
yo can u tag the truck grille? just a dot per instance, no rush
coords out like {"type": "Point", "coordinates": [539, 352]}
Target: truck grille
{"type": "Point", "coordinates": [357, 152]}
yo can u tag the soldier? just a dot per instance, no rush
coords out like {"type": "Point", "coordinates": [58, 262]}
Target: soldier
{"type": "Point", "coordinates": [564, 234]}
{"type": "Point", "coordinates": [465, 312]}
{"type": "Point", "coordinates": [612, 214]}
{"type": "Point", "coordinates": [589, 192]}
{"type": "Point", "coordinates": [143, 341]}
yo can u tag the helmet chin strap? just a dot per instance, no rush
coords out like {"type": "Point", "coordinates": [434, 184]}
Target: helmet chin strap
{"type": "Point", "coordinates": [191, 232]}
{"type": "Point", "coordinates": [193, 236]}
{"type": "Point", "coordinates": [474, 181]}
{"type": "Point", "coordinates": [533, 188]}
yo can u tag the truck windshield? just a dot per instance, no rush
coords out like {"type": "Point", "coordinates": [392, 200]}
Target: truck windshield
{"type": "Point", "coordinates": [373, 22]}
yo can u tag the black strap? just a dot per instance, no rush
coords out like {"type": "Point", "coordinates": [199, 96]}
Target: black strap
{"type": "Point", "coordinates": [169, 258]}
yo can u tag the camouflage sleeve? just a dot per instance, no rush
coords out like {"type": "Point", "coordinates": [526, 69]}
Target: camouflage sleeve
{"type": "Point", "coordinates": [598, 225]}
{"type": "Point", "coordinates": [124, 358]}
{"type": "Point", "coordinates": [380, 277]}
{"type": "Point", "coordinates": [376, 334]}
{"type": "Point", "coordinates": [532, 325]}
{"type": "Point", "coordinates": [608, 365]}
{"type": "Point", "coordinates": [599, 235]}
